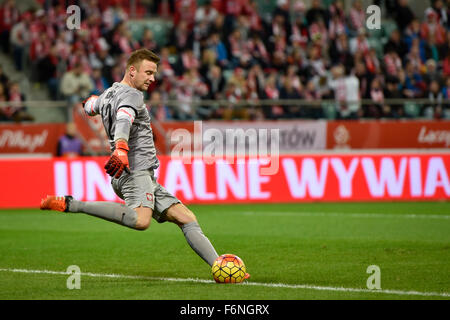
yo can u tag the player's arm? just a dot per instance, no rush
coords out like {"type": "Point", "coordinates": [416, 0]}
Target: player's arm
{"type": "Point", "coordinates": [91, 105]}
{"type": "Point", "coordinates": [126, 113]}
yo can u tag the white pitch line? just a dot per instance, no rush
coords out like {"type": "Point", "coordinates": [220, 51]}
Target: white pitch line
{"type": "Point", "coordinates": [352, 215]}
{"type": "Point", "coordinates": [256, 284]}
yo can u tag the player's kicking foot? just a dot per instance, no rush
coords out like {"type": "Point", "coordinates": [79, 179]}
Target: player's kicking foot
{"type": "Point", "coordinates": [56, 203]}
{"type": "Point", "coordinates": [247, 275]}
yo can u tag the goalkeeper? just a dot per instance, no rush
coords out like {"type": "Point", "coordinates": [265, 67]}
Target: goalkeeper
{"type": "Point", "coordinates": [133, 161]}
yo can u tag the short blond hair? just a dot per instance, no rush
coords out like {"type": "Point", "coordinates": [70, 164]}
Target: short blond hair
{"type": "Point", "coordinates": [140, 55]}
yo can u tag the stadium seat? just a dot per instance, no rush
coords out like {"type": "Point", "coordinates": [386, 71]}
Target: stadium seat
{"type": "Point", "coordinates": [412, 109]}
{"type": "Point", "coordinates": [329, 110]}
{"type": "Point", "coordinates": [159, 27]}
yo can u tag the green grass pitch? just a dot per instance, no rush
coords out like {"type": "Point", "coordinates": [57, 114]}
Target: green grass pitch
{"type": "Point", "coordinates": [292, 251]}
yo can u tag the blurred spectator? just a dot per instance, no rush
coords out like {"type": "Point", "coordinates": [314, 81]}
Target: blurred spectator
{"type": "Point", "coordinates": [357, 17]}
{"type": "Point", "coordinates": [9, 16]}
{"type": "Point", "coordinates": [76, 84]}
{"type": "Point", "coordinates": [271, 92]}
{"type": "Point", "coordinates": [346, 93]}
{"type": "Point", "coordinates": [431, 27]}
{"type": "Point", "coordinates": [69, 145]}
{"type": "Point", "coordinates": [392, 92]}
{"type": "Point", "coordinates": [215, 82]}
{"type": "Point", "coordinates": [396, 43]}
{"type": "Point", "coordinates": [435, 97]}
{"type": "Point", "coordinates": [158, 110]}
{"type": "Point", "coordinates": [20, 39]}
{"type": "Point", "coordinates": [215, 43]}
{"type": "Point", "coordinates": [413, 86]}
{"type": "Point", "coordinates": [339, 52]}
{"type": "Point", "coordinates": [288, 92]}
{"type": "Point", "coordinates": [375, 110]}
{"type": "Point", "coordinates": [403, 15]}
{"type": "Point", "coordinates": [432, 73]}
{"type": "Point", "coordinates": [393, 63]}
{"type": "Point", "coordinates": [316, 11]}
{"type": "Point", "coordinates": [360, 42]}
{"type": "Point", "coordinates": [3, 78]}
{"type": "Point", "coordinates": [14, 111]}
{"type": "Point", "coordinates": [148, 41]}
{"type": "Point", "coordinates": [99, 82]}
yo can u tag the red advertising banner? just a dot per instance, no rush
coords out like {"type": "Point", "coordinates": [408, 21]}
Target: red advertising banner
{"type": "Point", "coordinates": [376, 134]}
{"type": "Point", "coordinates": [30, 138]}
{"type": "Point", "coordinates": [338, 177]}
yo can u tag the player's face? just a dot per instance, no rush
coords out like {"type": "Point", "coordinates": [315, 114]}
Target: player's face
{"type": "Point", "coordinates": [145, 75]}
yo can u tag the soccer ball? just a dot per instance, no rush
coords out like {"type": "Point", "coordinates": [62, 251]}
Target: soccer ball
{"type": "Point", "coordinates": [228, 268]}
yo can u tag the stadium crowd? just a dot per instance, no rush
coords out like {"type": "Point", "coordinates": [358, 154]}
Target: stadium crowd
{"type": "Point", "coordinates": [226, 50]}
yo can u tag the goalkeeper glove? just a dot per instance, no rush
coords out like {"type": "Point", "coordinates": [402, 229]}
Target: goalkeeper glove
{"type": "Point", "coordinates": [118, 162]}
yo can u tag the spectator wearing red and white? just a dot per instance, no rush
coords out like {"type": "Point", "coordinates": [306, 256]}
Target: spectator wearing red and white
{"type": "Point", "coordinates": [148, 41]}
{"type": "Point", "coordinates": [446, 65]}
{"type": "Point", "coordinates": [251, 11]}
{"type": "Point", "coordinates": [189, 60]}
{"type": "Point", "coordinates": [40, 47]}
{"type": "Point", "coordinates": [20, 38]}
{"type": "Point", "coordinates": [165, 67]}
{"type": "Point", "coordinates": [372, 61]}
{"type": "Point", "coordinates": [310, 93]}
{"type": "Point", "coordinates": [278, 27]}
{"type": "Point", "coordinates": [293, 78]}
{"type": "Point", "coordinates": [441, 12]}
{"type": "Point", "coordinates": [336, 27]}
{"type": "Point", "coordinates": [357, 16]}
{"type": "Point", "coordinates": [206, 13]}
{"type": "Point", "coordinates": [156, 107]}
{"type": "Point", "coordinates": [127, 43]}
{"type": "Point", "coordinates": [299, 33]}
{"type": "Point", "coordinates": [9, 15]}
{"type": "Point", "coordinates": [392, 62]}
{"type": "Point", "coordinates": [359, 43]}
{"type": "Point", "coordinates": [18, 112]}
{"type": "Point", "coordinates": [336, 9]}
{"type": "Point", "coordinates": [185, 11]}
{"type": "Point", "coordinates": [57, 16]}
{"type": "Point", "coordinates": [255, 82]}
{"type": "Point", "coordinates": [194, 82]}
{"type": "Point", "coordinates": [271, 92]}
{"type": "Point", "coordinates": [62, 47]}
{"type": "Point", "coordinates": [318, 33]}
{"type": "Point", "coordinates": [317, 62]}
{"type": "Point", "coordinates": [79, 57]}
{"type": "Point", "coordinates": [92, 26]}
{"type": "Point", "coordinates": [234, 7]}
{"type": "Point", "coordinates": [432, 26]}
{"type": "Point", "coordinates": [238, 47]}
{"type": "Point", "coordinates": [376, 91]}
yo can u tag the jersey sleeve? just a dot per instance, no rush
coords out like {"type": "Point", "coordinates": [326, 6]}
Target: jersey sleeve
{"type": "Point", "coordinates": [133, 100]}
{"type": "Point", "coordinates": [91, 107]}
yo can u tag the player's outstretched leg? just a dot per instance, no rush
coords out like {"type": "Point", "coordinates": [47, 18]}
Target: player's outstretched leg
{"type": "Point", "coordinates": [115, 212]}
{"type": "Point", "coordinates": [186, 220]}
